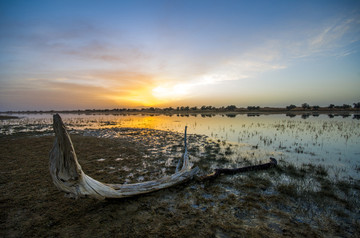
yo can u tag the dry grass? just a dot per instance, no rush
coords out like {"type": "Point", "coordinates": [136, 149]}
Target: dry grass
{"type": "Point", "coordinates": [256, 204]}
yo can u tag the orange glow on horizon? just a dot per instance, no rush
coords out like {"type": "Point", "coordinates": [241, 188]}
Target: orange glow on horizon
{"type": "Point", "coordinates": [155, 93]}
{"type": "Point", "coordinates": [138, 97]}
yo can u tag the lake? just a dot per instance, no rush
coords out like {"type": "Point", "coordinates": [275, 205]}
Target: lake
{"type": "Point", "coordinates": [327, 140]}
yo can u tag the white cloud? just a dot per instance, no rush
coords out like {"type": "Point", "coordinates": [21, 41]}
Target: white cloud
{"type": "Point", "coordinates": [328, 40]}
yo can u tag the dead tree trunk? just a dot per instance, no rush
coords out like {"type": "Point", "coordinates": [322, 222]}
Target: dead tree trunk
{"type": "Point", "coordinates": [68, 176]}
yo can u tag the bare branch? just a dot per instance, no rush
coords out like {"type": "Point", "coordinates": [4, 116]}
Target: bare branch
{"type": "Point", "coordinates": [68, 176]}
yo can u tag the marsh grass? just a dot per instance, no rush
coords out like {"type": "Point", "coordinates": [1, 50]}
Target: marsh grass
{"type": "Point", "coordinates": [289, 200]}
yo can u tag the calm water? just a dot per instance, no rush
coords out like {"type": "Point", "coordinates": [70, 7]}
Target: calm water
{"type": "Point", "coordinates": [330, 141]}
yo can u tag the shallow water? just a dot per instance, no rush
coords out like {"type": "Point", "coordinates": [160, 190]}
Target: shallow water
{"type": "Point", "coordinates": [333, 142]}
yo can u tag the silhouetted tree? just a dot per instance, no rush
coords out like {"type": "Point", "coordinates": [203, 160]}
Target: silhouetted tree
{"type": "Point", "coordinates": [305, 106]}
{"type": "Point", "coordinates": [316, 107]}
{"type": "Point", "coordinates": [292, 106]}
{"type": "Point", "coordinates": [230, 108]}
{"type": "Point", "coordinates": [207, 107]}
{"type": "Point", "coordinates": [253, 107]}
{"type": "Point", "coordinates": [357, 105]}
{"type": "Point", "coordinates": [331, 106]}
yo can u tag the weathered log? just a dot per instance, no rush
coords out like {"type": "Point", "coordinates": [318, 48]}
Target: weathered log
{"type": "Point", "coordinates": [219, 171]}
{"type": "Point", "coordinates": [68, 176]}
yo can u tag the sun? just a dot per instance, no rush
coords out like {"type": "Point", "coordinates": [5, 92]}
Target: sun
{"type": "Point", "coordinates": [150, 96]}
{"type": "Point", "coordinates": [175, 92]}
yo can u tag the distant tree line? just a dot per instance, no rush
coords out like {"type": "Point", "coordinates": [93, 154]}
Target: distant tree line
{"type": "Point", "coordinates": [306, 106]}
{"type": "Point", "coordinates": [250, 108]}
{"type": "Point", "coordinates": [204, 108]}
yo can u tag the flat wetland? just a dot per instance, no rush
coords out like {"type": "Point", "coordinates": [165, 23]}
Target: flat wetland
{"type": "Point", "coordinates": [313, 192]}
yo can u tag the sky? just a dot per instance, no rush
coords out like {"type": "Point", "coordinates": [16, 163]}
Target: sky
{"type": "Point", "coordinates": [69, 55]}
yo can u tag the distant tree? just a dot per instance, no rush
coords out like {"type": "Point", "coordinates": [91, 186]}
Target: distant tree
{"type": "Point", "coordinates": [292, 106]}
{"type": "Point", "coordinates": [168, 109]}
{"type": "Point", "coordinates": [194, 108]}
{"type": "Point", "coordinates": [346, 106]}
{"type": "Point", "coordinates": [357, 105]}
{"type": "Point", "coordinates": [207, 107]}
{"type": "Point", "coordinates": [253, 107]}
{"type": "Point", "coordinates": [331, 106]}
{"type": "Point", "coordinates": [230, 108]}
{"type": "Point", "coordinates": [316, 107]}
{"type": "Point", "coordinates": [305, 106]}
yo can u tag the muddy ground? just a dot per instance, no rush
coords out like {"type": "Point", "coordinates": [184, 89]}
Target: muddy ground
{"type": "Point", "coordinates": [254, 204]}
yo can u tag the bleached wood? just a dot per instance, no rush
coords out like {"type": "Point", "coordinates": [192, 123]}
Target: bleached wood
{"type": "Point", "coordinates": [68, 176]}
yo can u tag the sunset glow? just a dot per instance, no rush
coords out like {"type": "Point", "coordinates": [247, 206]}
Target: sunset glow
{"type": "Point", "coordinates": [171, 93]}
{"type": "Point", "coordinates": [114, 54]}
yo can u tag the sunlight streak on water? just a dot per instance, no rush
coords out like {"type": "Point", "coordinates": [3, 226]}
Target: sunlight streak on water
{"type": "Point", "coordinates": [333, 142]}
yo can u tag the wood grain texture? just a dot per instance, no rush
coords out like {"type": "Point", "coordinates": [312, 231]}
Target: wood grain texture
{"type": "Point", "coordinates": [219, 171]}
{"type": "Point", "coordinates": [68, 176]}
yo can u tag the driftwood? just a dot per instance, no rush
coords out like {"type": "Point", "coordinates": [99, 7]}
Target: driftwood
{"type": "Point", "coordinates": [68, 176]}
{"type": "Point", "coordinates": [218, 172]}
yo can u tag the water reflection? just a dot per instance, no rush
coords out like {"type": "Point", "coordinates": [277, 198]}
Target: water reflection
{"type": "Point", "coordinates": [331, 140]}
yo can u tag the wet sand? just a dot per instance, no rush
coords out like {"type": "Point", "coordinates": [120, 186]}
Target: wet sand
{"type": "Point", "coordinates": [247, 205]}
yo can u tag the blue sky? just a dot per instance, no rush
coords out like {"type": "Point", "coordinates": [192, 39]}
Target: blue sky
{"type": "Point", "coordinates": [111, 54]}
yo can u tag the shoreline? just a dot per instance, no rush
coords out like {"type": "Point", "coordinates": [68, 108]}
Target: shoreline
{"type": "Point", "coordinates": [264, 111]}
{"type": "Point", "coordinates": [250, 204]}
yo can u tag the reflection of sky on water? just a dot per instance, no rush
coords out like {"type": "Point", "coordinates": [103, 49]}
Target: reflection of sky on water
{"type": "Point", "coordinates": [333, 142]}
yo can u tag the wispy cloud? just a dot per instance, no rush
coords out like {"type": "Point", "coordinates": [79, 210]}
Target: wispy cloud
{"type": "Point", "coordinates": [232, 70]}
{"type": "Point", "coordinates": [271, 55]}
{"type": "Point", "coordinates": [152, 61]}
{"type": "Point", "coordinates": [328, 40]}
